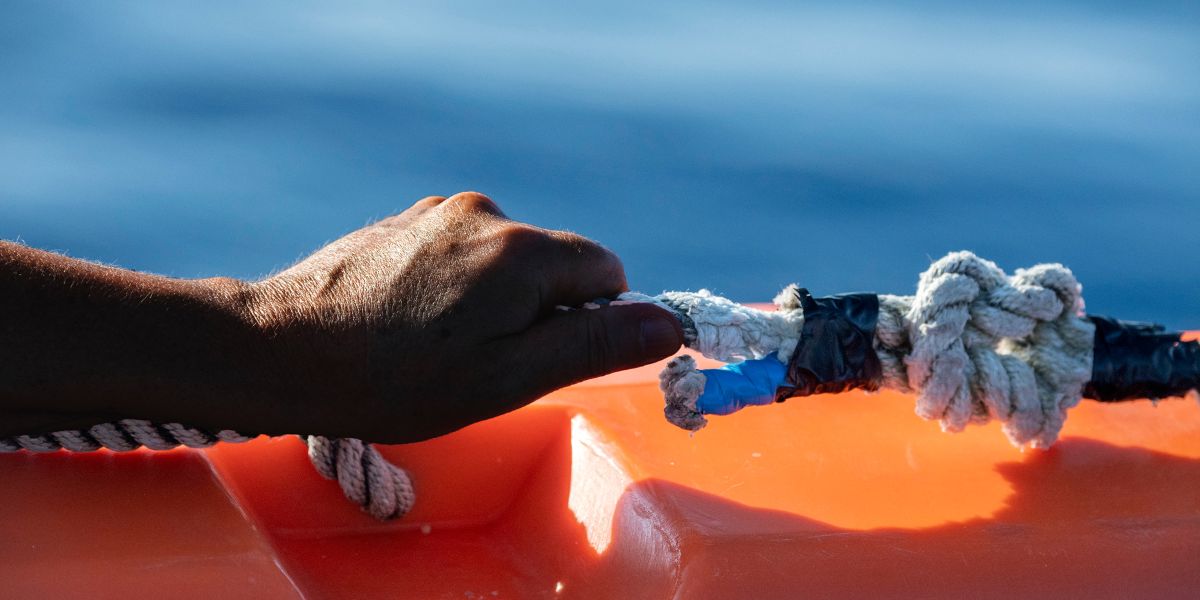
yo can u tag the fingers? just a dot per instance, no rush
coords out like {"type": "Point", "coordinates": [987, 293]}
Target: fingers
{"type": "Point", "coordinates": [571, 346]}
{"type": "Point", "coordinates": [579, 270]}
{"type": "Point", "coordinates": [463, 202]}
{"type": "Point", "coordinates": [567, 269]}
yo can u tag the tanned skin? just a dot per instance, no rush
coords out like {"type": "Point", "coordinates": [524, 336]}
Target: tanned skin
{"type": "Point", "coordinates": [404, 330]}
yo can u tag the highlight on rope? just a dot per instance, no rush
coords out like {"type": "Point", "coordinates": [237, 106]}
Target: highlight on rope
{"type": "Point", "coordinates": [973, 345]}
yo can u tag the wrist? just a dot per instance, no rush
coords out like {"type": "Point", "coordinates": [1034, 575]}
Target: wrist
{"type": "Point", "coordinates": [303, 361]}
{"type": "Point", "coordinates": [207, 362]}
{"type": "Point", "coordinates": [232, 297]}
{"type": "Point", "coordinates": [255, 387]}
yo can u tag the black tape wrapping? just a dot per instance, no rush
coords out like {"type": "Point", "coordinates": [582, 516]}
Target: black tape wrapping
{"type": "Point", "coordinates": [1132, 360]}
{"type": "Point", "coordinates": [836, 348]}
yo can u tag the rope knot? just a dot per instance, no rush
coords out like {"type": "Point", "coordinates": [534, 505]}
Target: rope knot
{"type": "Point", "coordinates": [973, 344]}
{"type": "Point", "coordinates": [982, 345]}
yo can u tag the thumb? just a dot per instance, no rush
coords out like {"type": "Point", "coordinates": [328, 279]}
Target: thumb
{"type": "Point", "coordinates": [571, 346]}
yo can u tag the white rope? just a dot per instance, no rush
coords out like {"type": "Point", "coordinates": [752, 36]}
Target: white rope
{"type": "Point", "coordinates": [973, 344]}
{"type": "Point", "coordinates": [365, 476]}
{"type": "Point", "coordinates": [724, 330]}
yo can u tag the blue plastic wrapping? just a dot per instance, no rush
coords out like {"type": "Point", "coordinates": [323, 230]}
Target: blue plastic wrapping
{"type": "Point", "coordinates": [737, 385]}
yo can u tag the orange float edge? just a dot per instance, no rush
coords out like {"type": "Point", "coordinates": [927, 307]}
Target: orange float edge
{"type": "Point", "coordinates": [590, 493]}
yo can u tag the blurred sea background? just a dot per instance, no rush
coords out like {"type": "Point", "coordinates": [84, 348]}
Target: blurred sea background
{"type": "Point", "coordinates": [737, 146]}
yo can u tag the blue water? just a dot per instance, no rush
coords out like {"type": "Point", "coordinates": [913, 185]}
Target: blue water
{"type": "Point", "coordinates": [736, 146]}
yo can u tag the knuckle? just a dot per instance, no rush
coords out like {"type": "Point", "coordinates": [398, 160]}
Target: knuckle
{"type": "Point", "coordinates": [429, 201]}
{"type": "Point", "coordinates": [473, 202]}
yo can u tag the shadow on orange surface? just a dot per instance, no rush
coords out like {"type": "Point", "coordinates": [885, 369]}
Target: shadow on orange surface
{"type": "Point", "coordinates": [1086, 518]}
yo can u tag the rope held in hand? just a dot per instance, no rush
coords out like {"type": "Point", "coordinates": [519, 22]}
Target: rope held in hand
{"type": "Point", "coordinates": [973, 344]}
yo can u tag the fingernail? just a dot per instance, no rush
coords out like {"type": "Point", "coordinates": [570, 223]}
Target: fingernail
{"type": "Point", "coordinates": [660, 337]}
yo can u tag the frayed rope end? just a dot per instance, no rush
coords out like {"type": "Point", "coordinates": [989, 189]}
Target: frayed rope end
{"type": "Point", "coordinates": [682, 384]}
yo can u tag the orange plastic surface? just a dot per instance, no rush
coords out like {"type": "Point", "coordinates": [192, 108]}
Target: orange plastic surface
{"type": "Point", "coordinates": [589, 493]}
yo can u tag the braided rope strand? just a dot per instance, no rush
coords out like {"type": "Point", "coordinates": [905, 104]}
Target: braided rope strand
{"type": "Point", "coordinates": [382, 489]}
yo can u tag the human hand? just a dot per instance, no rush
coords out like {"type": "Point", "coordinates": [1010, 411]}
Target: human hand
{"type": "Point", "coordinates": [439, 317]}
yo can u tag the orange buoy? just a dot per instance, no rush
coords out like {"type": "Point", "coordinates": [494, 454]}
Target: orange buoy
{"type": "Point", "coordinates": [588, 493]}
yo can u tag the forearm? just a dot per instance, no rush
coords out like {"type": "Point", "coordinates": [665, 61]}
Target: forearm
{"type": "Point", "coordinates": [412, 327]}
{"type": "Point", "coordinates": [82, 344]}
